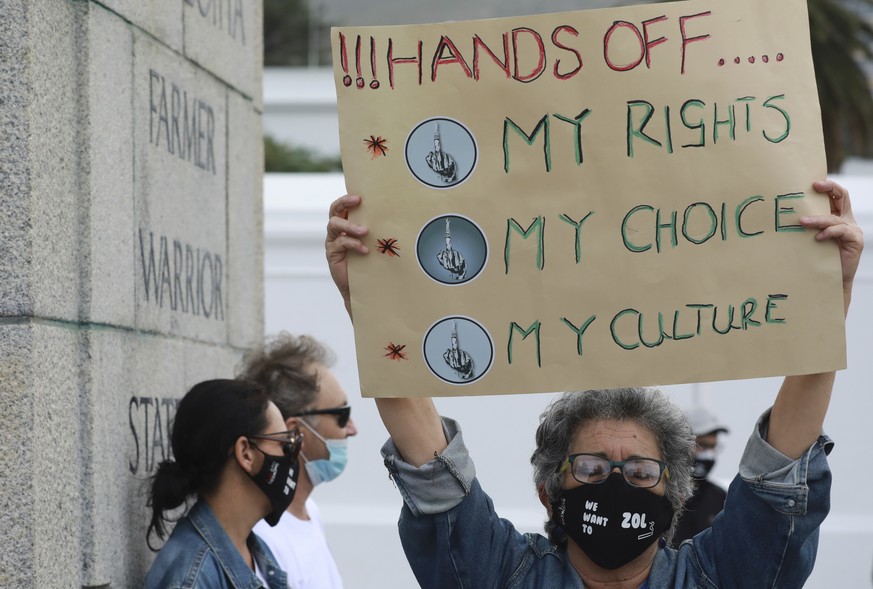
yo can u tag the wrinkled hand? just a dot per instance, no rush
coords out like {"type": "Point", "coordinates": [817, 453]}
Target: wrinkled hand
{"type": "Point", "coordinates": [459, 361]}
{"type": "Point", "coordinates": [840, 226]}
{"type": "Point", "coordinates": [454, 262]}
{"type": "Point", "coordinates": [343, 237]}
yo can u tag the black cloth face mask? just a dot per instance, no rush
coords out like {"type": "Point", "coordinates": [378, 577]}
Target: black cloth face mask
{"type": "Point", "coordinates": [703, 463]}
{"type": "Point", "coordinates": [277, 478]}
{"type": "Point", "coordinates": [612, 522]}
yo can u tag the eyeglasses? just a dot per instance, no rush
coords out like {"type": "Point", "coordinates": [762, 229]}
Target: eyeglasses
{"type": "Point", "coordinates": [343, 414]}
{"type": "Point", "coordinates": [592, 469]}
{"type": "Point", "coordinates": [290, 440]}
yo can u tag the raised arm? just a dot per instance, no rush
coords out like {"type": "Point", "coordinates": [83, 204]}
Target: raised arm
{"type": "Point", "coordinates": [800, 407]}
{"type": "Point", "coordinates": [413, 424]}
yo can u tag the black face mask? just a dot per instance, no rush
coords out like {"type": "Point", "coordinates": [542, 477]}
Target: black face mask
{"type": "Point", "coordinates": [702, 468]}
{"type": "Point", "coordinates": [278, 480]}
{"type": "Point", "coordinates": [612, 522]}
{"type": "Point", "coordinates": [703, 463]}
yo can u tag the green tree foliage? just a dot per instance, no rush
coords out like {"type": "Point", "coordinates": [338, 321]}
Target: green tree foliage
{"type": "Point", "coordinates": [841, 43]}
{"type": "Point", "coordinates": [279, 157]}
{"type": "Point", "coordinates": [294, 35]}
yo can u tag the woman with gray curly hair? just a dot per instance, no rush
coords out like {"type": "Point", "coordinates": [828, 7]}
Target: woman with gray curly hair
{"type": "Point", "coordinates": [612, 469]}
{"type": "Point", "coordinates": [649, 412]}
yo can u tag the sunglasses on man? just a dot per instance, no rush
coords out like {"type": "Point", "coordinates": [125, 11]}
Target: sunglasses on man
{"type": "Point", "coordinates": [343, 414]}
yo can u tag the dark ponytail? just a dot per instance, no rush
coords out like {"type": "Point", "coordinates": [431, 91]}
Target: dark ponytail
{"type": "Point", "coordinates": [209, 419]}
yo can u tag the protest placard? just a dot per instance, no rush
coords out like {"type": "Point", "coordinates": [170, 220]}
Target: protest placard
{"type": "Point", "coordinates": [587, 199]}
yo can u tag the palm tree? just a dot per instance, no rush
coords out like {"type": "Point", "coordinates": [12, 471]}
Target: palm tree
{"type": "Point", "coordinates": [841, 41]}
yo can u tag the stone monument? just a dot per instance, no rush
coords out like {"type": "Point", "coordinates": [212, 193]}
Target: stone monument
{"type": "Point", "coordinates": [131, 248]}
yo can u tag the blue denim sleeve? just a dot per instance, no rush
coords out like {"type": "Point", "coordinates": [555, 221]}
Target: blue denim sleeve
{"type": "Point", "coordinates": [767, 534]}
{"type": "Point", "coordinates": [450, 533]}
{"type": "Point", "coordinates": [438, 485]}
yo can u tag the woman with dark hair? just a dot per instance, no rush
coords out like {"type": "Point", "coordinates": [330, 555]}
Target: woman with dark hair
{"type": "Point", "coordinates": [612, 469]}
{"type": "Point", "coordinates": [234, 457]}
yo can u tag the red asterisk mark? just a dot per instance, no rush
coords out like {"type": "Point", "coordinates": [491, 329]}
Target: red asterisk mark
{"type": "Point", "coordinates": [388, 246]}
{"type": "Point", "coordinates": [395, 352]}
{"type": "Point", "coordinates": [376, 146]}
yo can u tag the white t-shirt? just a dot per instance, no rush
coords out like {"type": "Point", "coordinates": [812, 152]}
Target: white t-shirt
{"type": "Point", "coordinates": [301, 550]}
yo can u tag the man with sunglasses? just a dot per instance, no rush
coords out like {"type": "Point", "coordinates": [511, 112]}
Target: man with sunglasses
{"type": "Point", "coordinates": [295, 373]}
{"type": "Point", "coordinates": [612, 469]}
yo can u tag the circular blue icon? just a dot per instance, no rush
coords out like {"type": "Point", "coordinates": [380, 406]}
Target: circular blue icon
{"type": "Point", "coordinates": [451, 249]}
{"type": "Point", "coordinates": [441, 152]}
{"type": "Point", "coordinates": [458, 350]}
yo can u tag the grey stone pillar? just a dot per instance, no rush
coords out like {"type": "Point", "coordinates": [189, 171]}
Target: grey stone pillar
{"type": "Point", "coordinates": [130, 260]}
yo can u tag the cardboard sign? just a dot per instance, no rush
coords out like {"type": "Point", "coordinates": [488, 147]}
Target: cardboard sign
{"type": "Point", "coordinates": [587, 199]}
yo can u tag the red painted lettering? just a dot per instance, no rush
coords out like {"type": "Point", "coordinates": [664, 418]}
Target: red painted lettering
{"type": "Point", "coordinates": [622, 24]}
{"type": "Point", "coordinates": [541, 54]}
{"type": "Point", "coordinates": [571, 31]}
{"type": "Point", "coordinates": [454, 57]}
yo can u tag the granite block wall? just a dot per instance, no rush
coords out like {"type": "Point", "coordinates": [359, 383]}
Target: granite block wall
{"type": "Point", "coordinates": [131, 256]}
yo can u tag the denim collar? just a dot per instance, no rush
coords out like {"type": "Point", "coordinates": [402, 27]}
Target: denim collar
{"type": "Point", "coordinates": [663, 571]}
{"type": "Point", "coordinates": [234, 565]}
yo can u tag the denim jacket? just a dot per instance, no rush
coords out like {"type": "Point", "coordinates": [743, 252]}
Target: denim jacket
{"type": "Point", "coordinates": [766, 537]}
{"type": "Point", "coordinates": [200, 554]}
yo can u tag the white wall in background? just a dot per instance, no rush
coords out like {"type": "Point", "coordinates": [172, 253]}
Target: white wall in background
{"type": "Point", "coordinates": [300, 108]}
